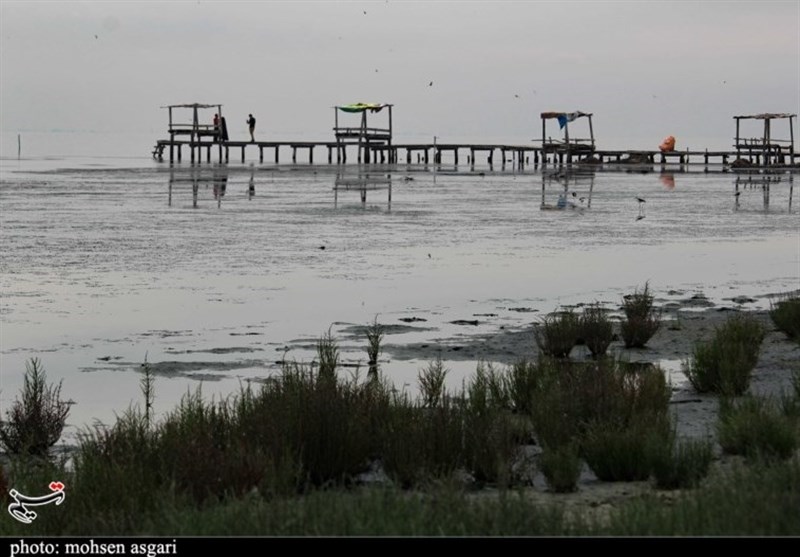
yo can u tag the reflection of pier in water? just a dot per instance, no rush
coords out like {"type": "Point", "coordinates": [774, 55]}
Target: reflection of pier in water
{"type": "Point", "coordinates": [362, 183]}
{"type": "Point", "coordinates": [214, 178]}
{"type": "Point", "coordinates": [574, 189]}
{"type": "Point", "coordinates": [745, 183]}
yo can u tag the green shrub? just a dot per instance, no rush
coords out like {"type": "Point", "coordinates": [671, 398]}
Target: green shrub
{"type": "Point", "coordinates": [487, 391]}
{"type": "Point", "coordinates": [374, 334]}
{"type": "Point", "coordinates": [491, 435]}
{"type": "Point", "coordinates": [725, 363]}
{"type": "Point", "coordinates": [622, 453]}
{"type": "Point", "coordinates": [119, 469]}
{"type": "Point", "coordinates": [561, 467]}
{"type": "Point", "coordinates": [596, 330]}
{"type": "Point", "coordinates": [642, 320]}
{"type": "Point", "coordinates": [756, 428]}
{"type": "Point", "coordinates": [328, 355]}
{"type": "Point", "coordinates": [785, 314]}
{"type": "Point", "coordinates": [681, 464]}
{"type": "Point", "coordinates": [522, 380]}
{"type": "Point", "coordinates": [490, 446]}
{"type": "Point", "coordinates": [558, 332]}
{"type": "Point", "coordinates": [35, 422]}
{"type": "Point", "coordinates": [555, 408]}
{"type": "Point", "coordinates": [790, 406]}
{"type": "Point", "coordinates": [603, 405]}
{"type": "Point", "coordinates": [431, 383]}
{"type": "Point", "coordinates": [419, 444]}
{"type": "Point", "coordinates": [756, 499]}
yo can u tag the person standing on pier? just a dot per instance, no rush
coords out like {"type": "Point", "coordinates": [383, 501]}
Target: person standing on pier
{"type": "Point", "coordinates": [251, 122]}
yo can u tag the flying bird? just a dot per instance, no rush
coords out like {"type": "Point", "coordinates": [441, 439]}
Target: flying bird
{"type": "Point", "coordinates": [640, 217]}
{"type": "Point", "coordinates": [640, 200]}
{"type": "Point", "coordinates": [430, 84]}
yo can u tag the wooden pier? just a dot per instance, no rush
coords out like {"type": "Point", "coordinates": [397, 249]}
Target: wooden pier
{"type": "Point", "coordinates": [429, 153]}
{"type": "Point", "coordinates": [374, 144]}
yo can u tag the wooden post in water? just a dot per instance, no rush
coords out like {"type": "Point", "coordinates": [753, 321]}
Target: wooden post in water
{"type": "Point", "coordinates": [19, 146]}
{"type": "Point", "coordinates": [392, 152]}
{"type": "Point", "coordinates": [434, 159]}
{"type": "Point", "coordinates": [767, 144]}
{"type": "Point", "coordinates": [218, 131]}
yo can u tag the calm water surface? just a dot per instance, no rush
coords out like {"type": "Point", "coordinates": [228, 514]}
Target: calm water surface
{"type": "Point", "coordinates": [214, 274]}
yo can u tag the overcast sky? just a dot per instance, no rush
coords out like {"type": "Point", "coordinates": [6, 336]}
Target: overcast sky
{"type": "Point", "coordinates": [645, 69]}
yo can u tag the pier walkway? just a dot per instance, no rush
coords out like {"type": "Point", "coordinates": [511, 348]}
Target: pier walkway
{"type": "Point", "coordinates": [516, 155]}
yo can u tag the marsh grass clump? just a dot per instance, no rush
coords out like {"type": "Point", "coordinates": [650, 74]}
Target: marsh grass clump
{"type": "Point", "coordinates": [328, 355]}
{"type": "Point", "coordinates": [522, 380]}
{"type": "Point", "coordinates": [622, 453]}
{"type": "Point", "coordinates": [561, 467]}
{"type": "Point", "coordinates": [431, 383]}
{"type": "Point", "coordinates": [790, 402]}
{"type": "Point", "coordinates": [596, 330]}
{"type": "Point", "coordinates": [490, 432]}
{"type": "Point", "coordinates": [298, 431]}
{"type": "Point", "coordinates": [725, 363]}
{"type": "Point", "coordinates": [374, 334]}
{"type": "Point", "coordinates": [613, 413]}
{"type": "Point", "coordinates": [756, 428]}
{"type": "Point", "coordinates": [642, 320]}
{"type": "Point", "coordinates": [118, 468]}
{"type": "Point", "coordinates": [488, 391]}
{"type": "Point", "coordinates": [750, 499]}
{"type": "Point", "coordinates": [681, 464]}
{"type": "Point", "coordinates": [626, 417]}
{"type": "Point", "coordinates": [558, 333]}
{"type": "Point", "coordinates": [147, 387]}
{"type": "Point", "coordinates": [785, 314]}
{"type": "Point", "coordinates": [35, 421]}
{"type": "Point", "coordinates": [473, 431]}
{"type": "Point", "coordinates": [420, 444]}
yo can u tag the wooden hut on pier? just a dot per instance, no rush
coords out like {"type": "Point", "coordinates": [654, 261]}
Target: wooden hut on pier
{"type": "Point", "coordinates": [370, 140]}
{"type": "Point", "coordinates": [201, 133]}
{"type": "Point", "coordinates": [567, 147]}
{"type": "Point", "coordinates": [765, 150]}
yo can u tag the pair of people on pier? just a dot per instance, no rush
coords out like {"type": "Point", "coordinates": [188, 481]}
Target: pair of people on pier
{"type": "Point", "coordinates": [251, 123]}
{"type": "Point", "coordinates": [220, 127]}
